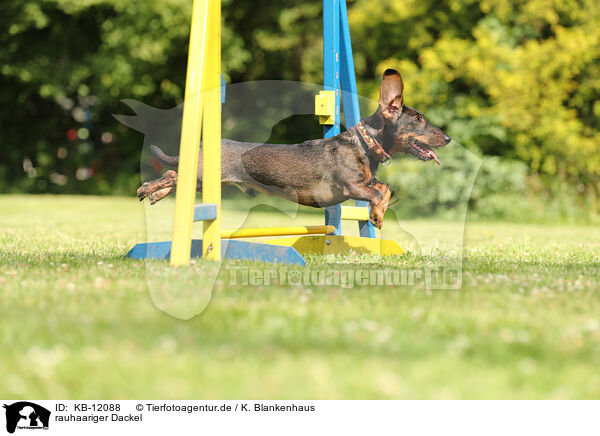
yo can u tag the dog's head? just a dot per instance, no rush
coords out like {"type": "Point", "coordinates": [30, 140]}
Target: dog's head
{"type": "Point", "coordinates": [405, 128]}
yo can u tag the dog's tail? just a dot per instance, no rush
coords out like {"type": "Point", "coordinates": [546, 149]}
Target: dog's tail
{"type": "Point", "coordinates": [163, 158]}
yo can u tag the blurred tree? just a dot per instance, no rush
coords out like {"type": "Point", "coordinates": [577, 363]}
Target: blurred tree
{"type": "Point", "coordinates": [65, 65]}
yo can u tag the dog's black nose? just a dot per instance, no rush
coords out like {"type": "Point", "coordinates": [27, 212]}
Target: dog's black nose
{"type": "Point", "coordinates": [447, 139]}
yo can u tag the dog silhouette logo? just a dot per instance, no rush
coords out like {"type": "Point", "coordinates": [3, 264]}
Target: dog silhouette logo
{"type": "Point", "coordinates": [26, 415]}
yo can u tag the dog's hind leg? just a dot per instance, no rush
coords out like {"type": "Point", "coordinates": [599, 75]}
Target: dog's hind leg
{"type": "Point", "coordinates": [158, 189]}
{"type": "Point", "coordinates": [167, 181]}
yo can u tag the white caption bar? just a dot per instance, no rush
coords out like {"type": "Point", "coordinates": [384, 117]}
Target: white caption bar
{"type": "Point", "coordinates": [300, 417]}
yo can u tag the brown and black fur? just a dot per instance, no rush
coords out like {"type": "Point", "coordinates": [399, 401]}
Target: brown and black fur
{"type": "Point", "coordinates": [322, 172]}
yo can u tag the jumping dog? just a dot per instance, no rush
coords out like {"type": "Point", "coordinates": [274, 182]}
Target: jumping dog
{"type": "Point", "coordinates": [323, 172]}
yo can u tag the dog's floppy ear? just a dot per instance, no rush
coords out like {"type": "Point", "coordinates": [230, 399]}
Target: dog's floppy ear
{"type": "Point", "coordinates": [390, 95]}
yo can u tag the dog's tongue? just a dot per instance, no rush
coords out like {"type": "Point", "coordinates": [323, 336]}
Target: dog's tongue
{"type": "Point", "coordinates": [433, 156]}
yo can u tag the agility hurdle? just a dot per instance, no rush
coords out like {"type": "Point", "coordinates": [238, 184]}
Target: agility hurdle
{"type": "Point", "coordinates": [202, 119]}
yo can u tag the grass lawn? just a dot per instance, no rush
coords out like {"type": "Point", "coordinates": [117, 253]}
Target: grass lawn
{"type": "Point", "coordinates": [77, 320]}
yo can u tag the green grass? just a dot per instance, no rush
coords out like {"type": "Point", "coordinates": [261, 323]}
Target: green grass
{"type": "Point", "coordinates": [79, 321]}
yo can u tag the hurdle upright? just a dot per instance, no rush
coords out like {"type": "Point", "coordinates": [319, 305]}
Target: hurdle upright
{"type": "Point", "coordinates": [339, 77]}
{"type": "Point", "coordinates": [202, 91]}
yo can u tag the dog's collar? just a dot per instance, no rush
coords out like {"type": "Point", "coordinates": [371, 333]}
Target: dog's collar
{"type": "Point", "coordinates": [374, 147]}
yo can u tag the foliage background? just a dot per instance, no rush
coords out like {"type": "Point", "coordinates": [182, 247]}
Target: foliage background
{"type": "Point", "coordinates": [514, 80]}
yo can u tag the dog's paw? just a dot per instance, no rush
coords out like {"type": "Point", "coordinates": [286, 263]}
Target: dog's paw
{"type": "Point", "coordinates": [376, 218]}
{"type": "Point", "coordinates": [143, 191]}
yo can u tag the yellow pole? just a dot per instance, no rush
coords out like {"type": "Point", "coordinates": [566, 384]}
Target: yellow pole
{"type": "Point", "coordinates": [190, 137]}
{"type": "Point", "coordinates": [211, 146]}
{"type": "Point", "coordinates": [356, 213]}
{"type": "Point", "coordinates": [276, 231]}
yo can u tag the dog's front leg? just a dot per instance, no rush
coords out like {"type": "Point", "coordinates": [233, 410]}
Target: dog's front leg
{"type": "Point", "coordinates": [378, 195]}
{"type": "Point", "coordinates": [378, 210]}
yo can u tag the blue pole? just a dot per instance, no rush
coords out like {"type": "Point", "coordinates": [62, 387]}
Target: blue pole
{"type": "Point", "coordinates": [350, 97]}
{"type": "Point", "coordinates": [348, 79]}
{"type": "Point", "coordinates": [331, 82]}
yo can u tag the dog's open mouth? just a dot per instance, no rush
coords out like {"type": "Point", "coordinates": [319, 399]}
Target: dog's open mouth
{"type": "Point", "coordinates": [423, 152]}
